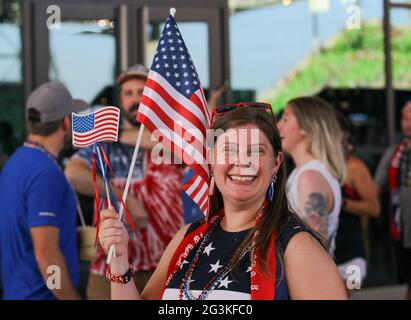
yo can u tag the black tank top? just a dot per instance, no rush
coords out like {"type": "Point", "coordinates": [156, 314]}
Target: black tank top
{"type": "Point", "coordinates": [222, 245]}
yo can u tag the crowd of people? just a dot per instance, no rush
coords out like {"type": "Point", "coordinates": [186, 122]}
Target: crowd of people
{"type": "Point", "coordinates": [267, 235]}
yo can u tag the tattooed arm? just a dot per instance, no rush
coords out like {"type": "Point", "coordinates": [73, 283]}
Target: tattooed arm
{"type": "Point", "coordinates": [315, 200]}
{"type": "Point", "coordinates": [315, 214]}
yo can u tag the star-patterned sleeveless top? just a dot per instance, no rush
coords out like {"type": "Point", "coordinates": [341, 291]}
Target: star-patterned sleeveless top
{"type": "Point", "coordinates": [236, 284]}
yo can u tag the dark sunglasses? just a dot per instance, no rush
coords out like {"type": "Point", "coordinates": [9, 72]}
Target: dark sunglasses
{"type": "Point", "coordinates": [221, 110]}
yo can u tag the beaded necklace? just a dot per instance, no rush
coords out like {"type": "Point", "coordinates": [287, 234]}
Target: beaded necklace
{"type": "Point", "coordinates": [214, 281]}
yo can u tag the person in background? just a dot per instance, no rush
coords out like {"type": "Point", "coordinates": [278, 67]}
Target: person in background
{"type": "Point", "coordinates": [80, 106]}
{"type": "Point", "coordinates": [360, 199]}
{"type": "Point", "coordinates": [394, 172]}
{"type": "Point", "coordinates": [154, 199]}
{"type": "Point", "coordinates": [309, 130]}
{"type": "Point", "coordinates": [38, 207]}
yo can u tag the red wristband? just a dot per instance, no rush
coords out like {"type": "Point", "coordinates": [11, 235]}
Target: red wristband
{"type": "Point", "coordinates": [123, 279]}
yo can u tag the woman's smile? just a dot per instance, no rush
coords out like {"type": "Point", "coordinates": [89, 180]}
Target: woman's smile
{"type": "Point", "coordinates": [242, 179]}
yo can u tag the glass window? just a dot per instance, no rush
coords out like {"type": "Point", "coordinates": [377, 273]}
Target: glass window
{"type": "Point", "coordinates": [83, 57]}
{"type": "Point", "coordinates": [10, 50]}
{"type": "Point", "coordinates": [401, 48]}
{"type": "Point", "coordinates": [11, 93]}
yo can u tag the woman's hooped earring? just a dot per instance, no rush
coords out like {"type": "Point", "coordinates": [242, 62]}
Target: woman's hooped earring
{"type": "Point", "coordinates": [271, 188]}
{"type": "Point", "coordinates": [212, 186]}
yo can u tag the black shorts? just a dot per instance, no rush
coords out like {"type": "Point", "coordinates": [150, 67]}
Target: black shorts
{"type": "Point", "coordinates": [403, 260]}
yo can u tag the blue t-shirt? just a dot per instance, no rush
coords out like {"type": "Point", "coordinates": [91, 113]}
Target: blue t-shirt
{"type": "Point", "coordinates": [33, 192]}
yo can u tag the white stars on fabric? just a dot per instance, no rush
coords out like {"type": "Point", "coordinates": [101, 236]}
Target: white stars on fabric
{"type": "Point", "coordinates": [215, 267]}
{"type": "Point", "coordinates": [84, 123]}
{"type": "Point", "coordinates": [183, 263]}
{"type": "Point", "coordinates": [173, 53]}
{"type": "Point", "coordinates": [208, 249]}
{"type": "Point", "coordinates": [225, 282]}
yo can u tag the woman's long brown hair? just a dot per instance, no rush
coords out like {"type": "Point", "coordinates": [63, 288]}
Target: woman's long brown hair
{"type": "Point", "coordinates": [277, 212]}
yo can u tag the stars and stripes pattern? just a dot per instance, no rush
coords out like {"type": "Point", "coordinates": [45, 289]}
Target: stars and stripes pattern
{"type": "Point", "coordinates": [98, 126]}
{"type": "Point", "coordinates": [234, 285]}
{"type": "Point", "coordinates": [173, 105]}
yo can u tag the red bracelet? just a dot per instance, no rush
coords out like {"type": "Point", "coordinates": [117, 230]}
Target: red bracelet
{"type": "Point", "coordinates": [123, 279]}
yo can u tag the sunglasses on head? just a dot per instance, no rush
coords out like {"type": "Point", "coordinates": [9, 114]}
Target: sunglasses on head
{"type": "Point", "coordinates": [221, 110]}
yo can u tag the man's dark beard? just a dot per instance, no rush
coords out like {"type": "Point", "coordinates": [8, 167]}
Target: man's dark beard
{"type": "Point", "coordinates": [67, 145]}
{"type": "Point", "coordinates": [130, 117]}
{"type": "Point", "coordinates": [66, 151]}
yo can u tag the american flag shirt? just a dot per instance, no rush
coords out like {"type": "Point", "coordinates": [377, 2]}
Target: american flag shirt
{"type": "Point", "coordinates": [158, 187]}
{"type": "Point", "coordinates": [234, 285]}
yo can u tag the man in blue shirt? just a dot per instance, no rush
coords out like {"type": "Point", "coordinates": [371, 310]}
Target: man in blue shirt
{"type": "Point", "coordinates": [38, 207]}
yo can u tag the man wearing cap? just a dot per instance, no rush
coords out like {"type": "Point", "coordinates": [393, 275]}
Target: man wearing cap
{"type": "Point", "coordinates": [38, 207]}
{"type": "Point", "coordinates": [154, 199]}
{"type": "Point", "coordinates": [80, 107]}
{"type": "Point", "coordinates": [394, 173]}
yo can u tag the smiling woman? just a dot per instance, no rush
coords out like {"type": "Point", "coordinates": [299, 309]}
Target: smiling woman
{"type": "Point", "coordinates": [251, 246]}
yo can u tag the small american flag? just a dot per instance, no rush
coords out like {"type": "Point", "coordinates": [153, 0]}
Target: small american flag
{"type": "Point", "coordinates": [173, 102]}
{"type": "Point", "coordinates": [95, 127]}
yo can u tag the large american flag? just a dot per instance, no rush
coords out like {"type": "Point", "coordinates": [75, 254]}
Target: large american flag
{"type": "Point", "coordinates": [94, 127]}
{"type": "Point", "coordinates": [173, 102]}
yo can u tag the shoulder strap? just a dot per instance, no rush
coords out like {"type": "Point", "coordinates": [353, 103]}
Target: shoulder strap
{"type": "Point", "coordinates": [292, 227]}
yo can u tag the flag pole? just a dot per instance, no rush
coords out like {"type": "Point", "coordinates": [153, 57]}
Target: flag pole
{"type": "Point", "coordinates": [112, 251]}
{"type": "Point", "coordinates": [104, 176]}
{"type": "Point", "coordinates": [80, 212]}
